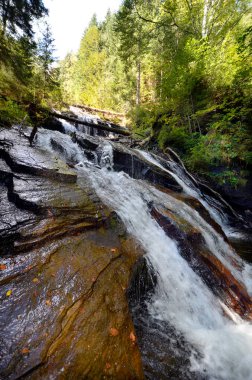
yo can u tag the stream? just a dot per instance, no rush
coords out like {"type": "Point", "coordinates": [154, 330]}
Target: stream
{"type": "Point", "coordinates": [187, 328]}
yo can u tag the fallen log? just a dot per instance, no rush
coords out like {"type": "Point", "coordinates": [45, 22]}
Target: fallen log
{"type": "Point", "coordinates": [99, 124]}
{"type": "Point", "coordinates": [91, 109]}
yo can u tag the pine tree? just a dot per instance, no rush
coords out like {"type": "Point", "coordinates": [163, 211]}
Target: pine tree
{"type": "Point", "coordinates": [19, 14]}
{"type": "Point", "coordinates": [45, 60]}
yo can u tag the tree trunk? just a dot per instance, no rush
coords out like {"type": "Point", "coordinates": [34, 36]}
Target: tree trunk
{"type": "Point", "coordinates": [6, 5]}
{"type": "Point", "coordinates": [105, 112]}
{"type": "Point", "coordinates": [100, 124]}
{"type": "Point", "coordinates": [138, 91]}
{"type": "Point", "coordinates": [205, 21]}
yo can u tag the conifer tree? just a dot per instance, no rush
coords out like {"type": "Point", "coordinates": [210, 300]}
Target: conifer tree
{"type": "Point", "coordinates": [19, 14]}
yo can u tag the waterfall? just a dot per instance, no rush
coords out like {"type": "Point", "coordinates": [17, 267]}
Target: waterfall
{"type": "Point", "coordinates": [189, 187]}
{"type": "Point", "coordinates": [220, 341]}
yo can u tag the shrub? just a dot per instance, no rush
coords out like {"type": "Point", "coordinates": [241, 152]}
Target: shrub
{"type": "Point", "coordinates": [11, 113]}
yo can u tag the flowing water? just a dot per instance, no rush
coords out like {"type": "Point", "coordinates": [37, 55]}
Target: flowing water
{"type": "Point", "coordinates": [209, 339]}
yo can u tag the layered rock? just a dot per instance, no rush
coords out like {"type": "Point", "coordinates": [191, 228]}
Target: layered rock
{"type": "Point", "coordinates": [64, 270]}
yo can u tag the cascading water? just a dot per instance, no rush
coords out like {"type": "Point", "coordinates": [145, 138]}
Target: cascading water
{"type": "Point", "coordinates": [189, 187]}
{"type": "Point", "coordinates": [217, 341]}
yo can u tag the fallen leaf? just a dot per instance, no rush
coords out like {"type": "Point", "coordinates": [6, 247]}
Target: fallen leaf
{"type": "Point", "coordinates": [113, 331]}
{"type": "Point", "coordinates": [28, 268]}
{"type": "Point", "coordinates": [3, 266]}
{"type": "Point", "coordinates": [35, 280]}
{"type": "Point", "coordinates": [48, 302]}
{"type": "Point", "coordinates": [113, 250]}
{"type": "Point", "coordinates": [49, 213]}
{"type": "Point", "coordinates": [25, 351]}
{"type": "Point", "coordinates": [107, 366]}
{"type": "Point", "coordinates": [132, 337]}
{"type": "Point", "coordinates": [9, 293]}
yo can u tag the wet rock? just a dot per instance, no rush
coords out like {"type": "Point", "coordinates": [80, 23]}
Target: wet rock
{"type": "Point", "coordinates": [22, 158]}
{"type": "Point", "coordinates": [52, 124]}
{"type": "Point", "coordinates": [65, 264]}
{"type": "Point", "coordinates": [239, 197]}
{"type": "Point", "coordinates": [11, 217]}
{"type": "Point", "coordinates": [87, 142]}
{"type": "Point", "coordinates": [57, 310]}
{"type": "Point", "coordinates": [131, 162]}
{"type": "Point", "coordinates": [216, 276]}
{"type": "Point", "coordinates": [138, 168]}
{"type": "Point", "coordinates": [143, 282]}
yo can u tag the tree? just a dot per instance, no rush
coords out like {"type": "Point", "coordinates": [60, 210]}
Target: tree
{"type": "Point", "coordinates": [130, 32]}
{"type": "Point", "coordinates": [89, 66]}
{"type": "Point", "coordinates": [43, 70]}
{"type": "Point", "coordinates": [45, 52]}
{"type": "Point", "coordinates": [19, 14]}
{"type": "Point", "coordinates": [67, 77]}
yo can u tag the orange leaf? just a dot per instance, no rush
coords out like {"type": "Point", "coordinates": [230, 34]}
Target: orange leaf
{"type": "Point", "coordinates": [113, 331]}
{"type": "Point", "coordinates": [132, 337]}
{"type": "Point", "coordinates": [108, 365]}
{"type": "Point", "coordinates": [25, 351]}
{"type": "Point", "coordinates": [3, 266]}
{"type": "Point", "coordinates": [48, 302]}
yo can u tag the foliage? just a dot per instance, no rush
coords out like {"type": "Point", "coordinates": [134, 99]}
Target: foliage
{"type": "Point", "coordinates": [11, 113]}
{"type": "Point", "coordinates": [180, 70]}
{"type": "Point", "coordinates": [26, 71]}
{"type": "Point", "coordinates": [96, 76]}
{"type": "Point", "coordinates": [18, 15]}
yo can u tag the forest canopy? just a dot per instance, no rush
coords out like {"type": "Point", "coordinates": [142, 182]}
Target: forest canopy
{"type": "Point", "coordinates": [179, 69]}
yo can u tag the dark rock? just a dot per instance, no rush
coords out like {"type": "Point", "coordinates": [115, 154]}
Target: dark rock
{"type": "Point", "coordinates": [218, 278]}
{"type": "Point", "coordinates": [52, 124]}
{"type": "Point", "coordinates": [87, 142]}
{"type": "Point", "coordinates": [22, 158]}
{"type": "Point", "coordinates": [138, 168]}
{"type": "Point", "coordinates": [143, 282]}
{"type": "Point", "coordinates": [131, 163]}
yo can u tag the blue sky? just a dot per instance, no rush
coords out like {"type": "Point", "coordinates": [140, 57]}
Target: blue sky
{"type": "Point", "coordinates": [69, 18]}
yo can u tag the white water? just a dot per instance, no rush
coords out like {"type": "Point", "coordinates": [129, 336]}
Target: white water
{"type": "Point", "coordinates": [181, 297]}
{"type": "Point", "coordinates": [189, 188]}
{"type": "Point", "coordinates": [68, 127]}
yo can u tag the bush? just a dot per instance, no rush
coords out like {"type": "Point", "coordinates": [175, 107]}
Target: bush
{"type": "Point", "coordinates": [173, 136]}
{"type": "Point", "coordinates": [142, 119]}
{"type": "Point", "coordinates": [11, 113]}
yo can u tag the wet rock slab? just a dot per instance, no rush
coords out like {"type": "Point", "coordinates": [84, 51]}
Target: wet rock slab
{"type": "Point", "coordinates": [132, 163]}
{"type": "Point", "coordinates": [20, 157]}
{"type": "Point", "coordinates": [64, 269]}
{"type": "Point", "coordinates": [67, 314]}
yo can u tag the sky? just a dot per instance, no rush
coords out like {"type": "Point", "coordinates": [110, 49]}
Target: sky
{"type": "Point", "coordinates": [69, 18]}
